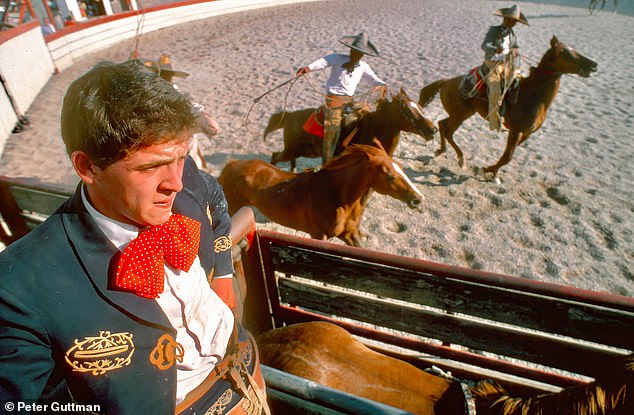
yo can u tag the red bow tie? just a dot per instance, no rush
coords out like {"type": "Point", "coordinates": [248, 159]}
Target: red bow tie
{"type": "Point", "coordinates": [141, 265]}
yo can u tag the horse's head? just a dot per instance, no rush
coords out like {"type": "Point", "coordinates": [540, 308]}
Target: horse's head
{"type": "Point", "coordinates": [388, 178]}
{"type": "Point", "coordinates": [412, 115]}
{"type": "Point", "coordinates": [563, 59]}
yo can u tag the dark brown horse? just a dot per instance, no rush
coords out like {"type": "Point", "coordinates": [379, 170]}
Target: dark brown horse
{"type": "Point", "coordinates": [613, 395]}
{"type": "Point", "coordinates": [327, 354]}
{"type": "Point", "coordinates": [385, 123]}
{"type": "Point", "coordinates": [324, 203]}
{"type": "Point", "coordinates": [522, 118]}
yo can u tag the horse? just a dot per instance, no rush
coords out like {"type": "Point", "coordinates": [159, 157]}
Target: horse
{"type": "Point", "coordinates": [611, 396]}
{"type": "Point", "coordinates": [385, 123]}
{"type": "Point", "coordinates": [523, 117]}
{"type": "Point", "coordinates": [327, 354]}
{"type": "Point", "coordinates": [324, 203]}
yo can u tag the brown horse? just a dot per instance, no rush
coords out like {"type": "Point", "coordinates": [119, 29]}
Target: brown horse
{"type": "Point", "coordinates": [327, 354]}
{"type": "Point", "coordinates": [323, 203]}
{"type": "Point", "coordinates": [385, 123]}
{"type": "Point", "coordinates": [522, 118]}
{"type": "Point", "coordinates": [611, 396]}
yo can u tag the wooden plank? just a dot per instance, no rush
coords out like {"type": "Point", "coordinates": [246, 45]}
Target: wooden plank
{"type": "Point", "coordinates": [569, 318]}
{"type": "Point", "coordinates": [489, 337]}
{"type": "Point", "coordinates": [486, 278]}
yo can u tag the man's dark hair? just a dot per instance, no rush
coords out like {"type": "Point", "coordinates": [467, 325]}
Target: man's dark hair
{"type": "Point", "coordinates": [116, 108]}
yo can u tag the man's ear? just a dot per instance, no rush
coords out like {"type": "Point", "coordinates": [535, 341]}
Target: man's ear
{"type": "Point", "coordinates": [84, 166]}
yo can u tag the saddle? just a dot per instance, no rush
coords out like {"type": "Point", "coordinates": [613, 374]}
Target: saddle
{"type": "Point", "coordinates": [472, 84]}
{"type": "Point", "coordinates": [315, 123]}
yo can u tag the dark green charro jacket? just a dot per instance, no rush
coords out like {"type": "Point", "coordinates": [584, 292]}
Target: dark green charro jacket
{"type": "Point", "coordinates": [60, 320]}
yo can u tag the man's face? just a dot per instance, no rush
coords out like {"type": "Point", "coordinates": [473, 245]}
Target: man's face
{"type": "Point", "coordinates": [140, 188]}
{"type": "Point", "coordinates": [509, 22]}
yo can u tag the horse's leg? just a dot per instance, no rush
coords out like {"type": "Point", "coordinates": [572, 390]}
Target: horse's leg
{"type": "Point", "coordinates": [443, 142]}
{"type": "Point", "coordinates": [293, 165]}
{"type": "Point", "coordinates": [514, 137]}
{"type": "Point", "coordinates": [448, 128]}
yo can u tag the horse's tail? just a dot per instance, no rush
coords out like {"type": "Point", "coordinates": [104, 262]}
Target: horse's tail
{"type": "Point", "coordinates": [428, 92]}
{"type": "Point", "coordinates": [275, 123]}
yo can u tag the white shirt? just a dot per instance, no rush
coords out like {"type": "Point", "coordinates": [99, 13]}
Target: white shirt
{"type": "Point", "coordinates": [203, 322]}
{"type": "Point", "coordinates": [340, 81]}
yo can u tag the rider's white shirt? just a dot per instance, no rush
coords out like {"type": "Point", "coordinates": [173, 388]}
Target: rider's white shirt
{"type": "Point", "coordinates": [340, 81]}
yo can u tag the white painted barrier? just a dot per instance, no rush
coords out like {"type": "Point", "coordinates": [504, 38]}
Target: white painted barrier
{"type": "Point", "coordinates": [25, 67]}
{"type": "Point", "coordinates": [67, 49]}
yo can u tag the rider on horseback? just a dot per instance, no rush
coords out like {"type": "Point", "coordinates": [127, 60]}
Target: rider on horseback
{"type": "Point", "coordinates": [345, 74]}
{"type": "Point", "coordinates": [500, 53]}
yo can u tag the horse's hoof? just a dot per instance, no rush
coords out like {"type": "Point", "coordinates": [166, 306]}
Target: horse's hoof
{"type": "Point", "coordinates": [438, 152]}
{"type": "Point", "coordinates": [462, 163]}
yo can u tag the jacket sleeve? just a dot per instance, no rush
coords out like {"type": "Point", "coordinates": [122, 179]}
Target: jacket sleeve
{"type": "Point", "coordinates": [26, 360]}
{"type": "Point", "coordinates": [221, 224]}
{"type": "Point", "coordinates": [491, 41]}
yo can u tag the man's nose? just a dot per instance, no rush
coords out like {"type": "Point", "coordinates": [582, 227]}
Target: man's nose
{"type": "Point", "coordinates": [173, 180]}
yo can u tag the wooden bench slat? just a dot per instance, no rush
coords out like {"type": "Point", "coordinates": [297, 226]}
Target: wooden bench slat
{"type": "Point", "coordinates": [574, 319]}
{"type": "Point", "coordinates": [38, 201]}
{"type": "Point", "coordinates": [490, 337]}
{"type": "Point", "coordinates": [25, 203]}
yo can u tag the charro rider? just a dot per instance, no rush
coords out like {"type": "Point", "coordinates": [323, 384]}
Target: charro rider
{"type": "Point", "coordinates": [345, 74]}
{"type": "Point", "coordinates": [501, 50]}
{"type": "Point", "coordinates": [206, 123]}
{"type": "Point", "coordinates": [108, 300]}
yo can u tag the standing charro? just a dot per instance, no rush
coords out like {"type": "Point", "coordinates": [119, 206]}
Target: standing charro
{"type": "Point", "coordinates": [345, 74]}
{"type": "Point", "coordinates": [109, 299]}
{"type": "Point", "coordinates": [500, 48]}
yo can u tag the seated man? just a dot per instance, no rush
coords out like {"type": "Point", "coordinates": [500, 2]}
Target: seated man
{"type": "Point", "coordinates": [110, 294]}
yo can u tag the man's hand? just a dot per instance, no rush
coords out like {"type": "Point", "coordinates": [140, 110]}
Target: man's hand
{"type": "Point", "coordinates": [302, 71]}
{"type": "Point", "coordinates": [382, 90]}
{"type": "Point", "coordinates": [224, 288]}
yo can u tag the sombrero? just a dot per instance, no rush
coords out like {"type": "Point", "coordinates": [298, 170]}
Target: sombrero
{"type": "Point", "coordinates": [512, 13]}
{"type": "Point", "coordinates": [164, 65]}
{"type": "Point", "coordinates": [360, 43]}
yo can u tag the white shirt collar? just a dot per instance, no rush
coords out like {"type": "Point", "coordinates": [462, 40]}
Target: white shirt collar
{"type": "Point", "coordinates": [119, 233]}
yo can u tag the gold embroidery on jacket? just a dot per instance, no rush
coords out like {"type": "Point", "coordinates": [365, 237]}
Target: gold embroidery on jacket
{"type": "Point", "coordinates": [100, 354]}
{"type": "Point", "coordinates": [222, 244]}
{"type": "Point", "coordinates": [166, 353]}
{"type": "Point", "coordinates": [221, 404]}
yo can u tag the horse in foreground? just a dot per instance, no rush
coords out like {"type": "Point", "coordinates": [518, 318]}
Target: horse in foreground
{"type": "Point", "coordinates": [613, 395]}
{"type": "Point", "coordinates": [326, 353]}
{"type": "Point", "coordinates": [385, 123]}
{"type": "Point", "coordinates": [324, 203]}
{"type": "Point", "coordinates": [522, 118]}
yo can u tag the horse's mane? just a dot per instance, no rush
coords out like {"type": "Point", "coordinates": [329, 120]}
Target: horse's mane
{"type": "Point", "coordinates": [352, 154]}
{"type": "Point", "coordinates": [610, 396]}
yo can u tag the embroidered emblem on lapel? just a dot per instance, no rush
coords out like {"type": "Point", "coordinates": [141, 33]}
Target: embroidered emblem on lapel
{"type": "Point", "coordinates": [221, 404]}
{"type": "Point", "coordinates": [166, 353]}
{"type": "Point", "coordinates": [222, 243]}
{"type": "Point", "coordinates": [100, 354]}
